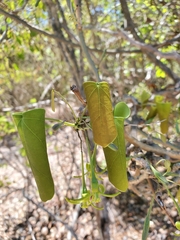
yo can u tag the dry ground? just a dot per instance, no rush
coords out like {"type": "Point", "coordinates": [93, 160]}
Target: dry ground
{"type": "Point", "coordinates": [23, 216]}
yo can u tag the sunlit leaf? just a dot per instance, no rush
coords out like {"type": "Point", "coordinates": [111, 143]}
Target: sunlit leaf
{"type": "Point", "coordinates": [100, 112]}
{"type": "Point", "coordinates": [163, 110]}
{"type": "Point", "coordinates": [152, 113]}
{"type": "Point", "coordinates": [145, 96]}
{"type": "Point", "coordinates": [160, 73]}
{"type": "Point", "coordinates": [31, 128]}
{"type": "Point", "coordinates": [167, 165]}
{"type": "Point", "coordinates": [116, 160]}
{"type": "Point", "coordinates": [33, 100]}
{"type": "Point", "coordinates": [159, 99]}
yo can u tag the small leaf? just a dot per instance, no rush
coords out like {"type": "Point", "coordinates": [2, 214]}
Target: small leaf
{"type": "Point", "coordinates": [159, 99]}
{"type": "Point", "coordinates": [145, 96]}
{"type": "Point", "coordinates": [163, 110]}
{"type": "Point", "coordinates": [33, 100]}
{"type": "Point", "coordinates": [56, 126]}
{"type": "Point", "coordinates": [159, 176]}
{"type": "Point", "coordinates": [33, 33]}
{"type": "Point", "coordinates": [167, 165]}
{"type": "Point", "coordinates": [113, 147]}
{"type": "Point", "coordinates": [152, 113]}
{"type": "Point", "coordinates": [100, 112]}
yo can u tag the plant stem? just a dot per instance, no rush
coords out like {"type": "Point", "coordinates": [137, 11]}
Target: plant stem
{"type": "Point", "coordinates": [64, 123]}
{"type": "Point", "coordinates": [63, 98]}
{"type": "Point", "coordinates": [82, 166]}
{"type": "Point", "coordinates": [88, 56]}
{"type": "Point", "coordinates": [82, 41]}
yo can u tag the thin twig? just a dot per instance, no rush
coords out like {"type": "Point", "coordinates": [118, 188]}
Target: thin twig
{"type": "Point", "coordinates": [82, 42]}
{"type": "Point", "coordinates": [149, 49]}
{"type": "Point", "coordinates": [53, 216]}
{"type": "Point", "coordinates": [18, 20]}
{"type": "Point", "coordinates": [155, 149]}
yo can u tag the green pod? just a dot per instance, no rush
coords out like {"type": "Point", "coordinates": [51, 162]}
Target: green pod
{"type": "Point", "coordinates": [116, 160]}
{"type": "Point", "coordinates": [31, 128]}
{"type": "Point", "coordinates": [100, 112]}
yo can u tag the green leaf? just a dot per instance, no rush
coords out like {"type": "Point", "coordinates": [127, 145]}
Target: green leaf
{"type": "Point", "coordinates": [37, 3]}
{"type": "Point", "coordinates": [56, 126]}
{"type": "Point", "coordinates": [163, 110]}
{"type": "Point", "coordinates": [31, 128]}
{"type": "Point", "coordinates": [100, 112]}
{"type": "Point", "coordinates": [33, 33]}
{"type": "Point", "coordinates": [160, 73]}
{"type": "Point", "coordinates": [152, 113]}
{"type": "Point", "coordinates": [159, 99]}
{"type": "Point", "coordinates": [147, 220]}
{"type": "Point", "coordinates": [116, 160]}
{"type": "Point", "coordinates": [113, 147]}
{"type": "Point", "coordinates": [33, 100]}
{"type": "Point", "coordinates": [159, 176]}
{"type": "Point", "coordinates": [145, 96]}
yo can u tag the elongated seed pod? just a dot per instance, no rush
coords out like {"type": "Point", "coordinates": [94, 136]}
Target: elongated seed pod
{"type": "Point", "coordinates": [116, 160]}
{"type": "Point", "coordinates": [31, 128]}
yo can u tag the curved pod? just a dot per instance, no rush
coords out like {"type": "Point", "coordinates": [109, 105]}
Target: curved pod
{"type": "Point", "coordinates": [116, 160]}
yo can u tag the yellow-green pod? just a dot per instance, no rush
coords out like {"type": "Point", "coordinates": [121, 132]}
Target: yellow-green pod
{"type": "Point", "coordinates": [31, 128]}
{"type": "Point", "coordinates": [116, 160]}
{"type": "Point", "coordinates": [100, 112]}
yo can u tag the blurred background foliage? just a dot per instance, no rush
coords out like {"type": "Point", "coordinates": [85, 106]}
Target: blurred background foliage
{"type": "Point", "coordinates": [31, 60]}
